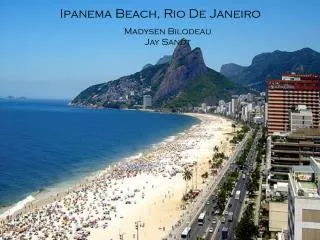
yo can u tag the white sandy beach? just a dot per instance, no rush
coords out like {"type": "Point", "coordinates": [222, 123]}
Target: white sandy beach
{"type": "Point", "coordinates": [147, 189]}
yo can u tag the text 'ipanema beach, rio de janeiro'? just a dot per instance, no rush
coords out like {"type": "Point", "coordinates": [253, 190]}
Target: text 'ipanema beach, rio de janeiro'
{"type": "Point", "coordinates": [157, 14]}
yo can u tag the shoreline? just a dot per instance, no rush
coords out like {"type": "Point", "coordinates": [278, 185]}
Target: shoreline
{"type": "Point", "coordinates": [46, 195]}
{"type": "Point", "coordinates": [141, 171]}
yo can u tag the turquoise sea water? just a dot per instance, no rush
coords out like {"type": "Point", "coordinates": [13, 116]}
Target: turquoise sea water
{"type": "Point", "coordinates": [44, 143]}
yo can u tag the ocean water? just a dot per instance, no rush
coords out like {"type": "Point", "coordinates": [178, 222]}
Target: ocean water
{"type": "Point", "coordinates": [46, 143]}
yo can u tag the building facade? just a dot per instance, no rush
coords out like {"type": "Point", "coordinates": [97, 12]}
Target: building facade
{"type": "Point", "coordinates": [278, 216]}
{"type": "Point", "coordinates": [293, 148]}
{"type": "Point", "coordinates": [304, 202]}
{"type": "Point", "coordinates": [291, 91]}
{"type": "Point", "coordinates": [147, 101]}
{"type": "Point", "coordinates": [234, 105]}
{"type": "Point", "coordinates": [300, 118]}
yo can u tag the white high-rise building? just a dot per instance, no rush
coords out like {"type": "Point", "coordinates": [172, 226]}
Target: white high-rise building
{"type": "Point", "coordinates": [229, 108]}
{"type": "Point", "coordinates": [234, 105]}
{"type": "Point", "coordinates": [266, 114]}
{"type": "Point", "coordinates": [304, 201]}
{"type": "Point", "coordinates": [300, 118]}
{"type": "Point", "coordinates": [147, 101]}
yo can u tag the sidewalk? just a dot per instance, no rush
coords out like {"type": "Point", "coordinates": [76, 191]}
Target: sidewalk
{"type": "Point", "coordinates": [258, 202]}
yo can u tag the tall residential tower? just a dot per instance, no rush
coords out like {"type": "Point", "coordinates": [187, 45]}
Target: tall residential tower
{"type": "Point", "coordinates": [289, 92]}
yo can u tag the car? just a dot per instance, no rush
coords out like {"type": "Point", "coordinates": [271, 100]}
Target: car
{"type": "Point", "coordinates": [223, 220]}
{"type": "Point", "coordinates": [210, 230]}
{"type": "Point", "coordinates": [214, 221]}
{"type": "Point", "coordinates": [208, 202]}
{"type": "Point", "coordinates": [225, 212]}
{"type": "Point", "coordinates": [229, 205]}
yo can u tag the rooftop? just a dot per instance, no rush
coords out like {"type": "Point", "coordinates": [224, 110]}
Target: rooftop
{"type": "Point", "coordinates": [303, 179]}
{"type": "Point", "coordinates": [301, 75]}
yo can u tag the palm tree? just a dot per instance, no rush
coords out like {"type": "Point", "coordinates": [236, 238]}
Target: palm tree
{"type": "Point", "coordinates": [216, 149]}
{"type": "Point", "coordinates": [187, 175]}
{"type": "Point", "coordinates": [233, 126]}
{"type": "Point", "coordinates": [204, 176]}
{"type": "Point", "coordinates": [219, 163]}
{"type": "Point", "coordinates": [214, 164]}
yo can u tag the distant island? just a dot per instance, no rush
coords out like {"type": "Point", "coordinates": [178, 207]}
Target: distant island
{"type": "Point", "coordinates": [13, 98]}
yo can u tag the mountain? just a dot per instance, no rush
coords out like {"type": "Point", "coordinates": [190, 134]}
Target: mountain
{"type": "Point", "coordinates": [164, 59]}
{"type": "Point", "coordinates": [183, 82]}
{"type": "Point", "coordinates": [147, 65]}
{"type": "Point", "coordinates": [271, 66]}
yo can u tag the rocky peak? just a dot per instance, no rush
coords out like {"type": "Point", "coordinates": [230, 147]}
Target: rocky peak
{"type": "Point", "coordinates": [182, 49]}
{"type": "Point", "coordinates": [186, 65]}
{"type": "Point", "coordinates": [164, 59]}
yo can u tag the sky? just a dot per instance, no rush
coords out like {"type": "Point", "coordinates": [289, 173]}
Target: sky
{"type": "Point", "coordinates": [44, 56]}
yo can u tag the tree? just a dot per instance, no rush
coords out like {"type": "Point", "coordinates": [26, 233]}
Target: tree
{"type": "Point", "coordinates": [187, 175]}
{"type": "Point", "coordinates": [219, 163]}
{"type": "Point", "coordinates": [246, 229]}
{"type": "Point", "coordinates": [233, 127]}
{"type": "Point", "coordinates": [214, 165]}
{"type": "Point", "coordinates": [221, 199]}
{"type": "Point", "coordinates": [204, 176]}
{"type": "Point", "coordinates": [216, 149]}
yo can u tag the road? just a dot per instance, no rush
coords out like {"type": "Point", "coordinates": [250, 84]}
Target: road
{"type": "Point", "coordinates": [191, 215]}
{"type": "Point", "coordinates": [235, 205]}
{"type": "Point", "coordinates": [241, 185]}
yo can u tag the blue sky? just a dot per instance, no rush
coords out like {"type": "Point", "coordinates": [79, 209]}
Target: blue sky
{"type": "Point", "coordinates": [43, 56]}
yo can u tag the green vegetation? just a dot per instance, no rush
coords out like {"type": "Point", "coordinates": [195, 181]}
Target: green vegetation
{"type": "Point", "coordinates": [246, 229]}
{"type": "Point", "coordinates": [225, 190]}
{"type": "Point", "coordinates": [233, 127]}
{"type": "Point", "coordinates": [241, 160]}
{"type": "Point", "coordinates": [253, 184]}
{"type": "Point", "coordinates": [217, 158]}
{"type": "Point", "coordinates": [204, 176]}
{"type": "Point", "coordinates": [272, 65]}
{"type": "Point", "coordinates": [106, 94]}
{"type": "Point", "coordinates": [207, 88]}
{"type": "Point", "coordinates": [243, 157]}
{"type": "Point", "coordinates": [187, 175]}
{"type": "Point", "coordinates": [239, 134]}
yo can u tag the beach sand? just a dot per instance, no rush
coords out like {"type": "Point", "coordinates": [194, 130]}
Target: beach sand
{"type": "Point", "coordinates": [145, 191]}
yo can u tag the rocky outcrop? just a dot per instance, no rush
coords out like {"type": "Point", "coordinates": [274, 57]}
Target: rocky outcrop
{"type": "Point", "coordinates": [164, 59]}
{"type": "Point", "coordinates": [186, 65]}
{"type": "Point", "coordinates": [183, 81]}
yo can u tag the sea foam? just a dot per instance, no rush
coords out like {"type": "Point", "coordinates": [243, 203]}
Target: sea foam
{"type": "Point", "coordinates": [18, 206]}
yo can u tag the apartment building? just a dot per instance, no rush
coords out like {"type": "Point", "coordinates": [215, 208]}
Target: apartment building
{"type": "Point", "coordinates": [304, 202]}
{"type": "Point", "coordinates": [293, 148]}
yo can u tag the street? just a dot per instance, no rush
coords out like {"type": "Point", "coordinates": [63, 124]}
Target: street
{"type": "Point", "coordinates": [235, 205]}
{"type": "Point", "coordinates": [200, 205]}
